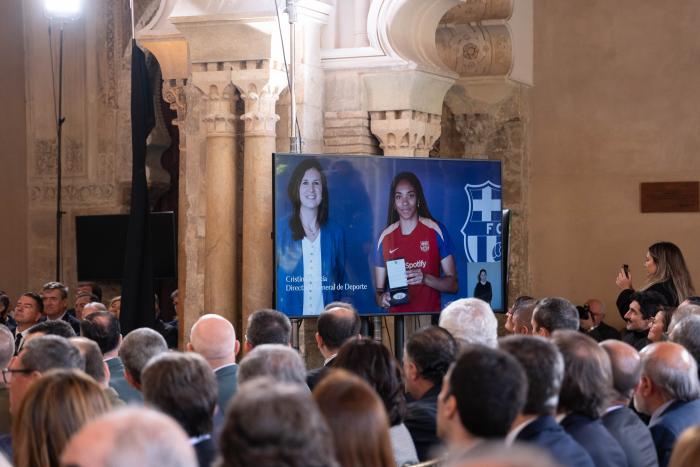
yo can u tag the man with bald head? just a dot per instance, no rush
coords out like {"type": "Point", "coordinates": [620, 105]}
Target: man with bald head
{"type": "Point", "coordinates": [214, 338]}
{"type": "Point", "coordinates": [594, 326]}
{"type": "Point", "coordinates": [668, 391]}
{"type": "Point", "coordinates": [128, 437]}
{"type": "Point", "coordinates": [625, 425]}
{"type": "Point", "coordinates": [338, 323]}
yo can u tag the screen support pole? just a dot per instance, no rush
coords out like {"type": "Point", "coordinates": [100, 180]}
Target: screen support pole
{"type": "Point", "coordinates": [296, 325]}
{"type": "Point", "coordinates": [60, 120]}
{"type": "Point", "coordinates": [294, 140]}
{"type": "Point", "coordinates": [398, 337]}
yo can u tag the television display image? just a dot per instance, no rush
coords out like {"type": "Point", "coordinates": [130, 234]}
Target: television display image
{"type": "Point", "coordinates": [387, 234]}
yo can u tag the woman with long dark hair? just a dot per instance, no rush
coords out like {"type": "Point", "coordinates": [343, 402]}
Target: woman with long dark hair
{"type": "Point", "coordinates": [310, 247]}
{"type": "Point", "coordinates": [667, 274]}
{"type": "Point", "coordinates": [414, 235]}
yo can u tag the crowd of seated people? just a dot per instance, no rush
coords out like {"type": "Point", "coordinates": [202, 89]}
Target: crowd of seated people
{"type": "Point", "coordinates": [557, 386]}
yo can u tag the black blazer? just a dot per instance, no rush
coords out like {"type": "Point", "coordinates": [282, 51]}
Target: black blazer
{"type": "Point", "coordinates": [666, 428]}
{"type": "Point", "coordinates": [546, 433]}
{"type": "Point", "coordinates": [633, 435]}
{"type": "Point", "coordinates": [313, 377]}
{"type": "Point", "coordinates": [420, 419]}
{"type": "Point", "coordinates": [666, 289]}
{"type": "Point", "coordinates": [604, 331]}
{"type": "Point", "coordinates": [596, 439]}
{"type": "Point", "coordinates": [206, 452]}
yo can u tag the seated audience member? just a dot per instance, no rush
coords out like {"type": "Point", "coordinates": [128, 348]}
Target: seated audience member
{"type": "Point", "coordinates": [643, 308]}
{"type": "Point", "coordinates": [536, 425]}
{"type": "Point", "coordinates": [372, 362]}
{"type": "Point", "coordinates": [91, 288]}
{"type": "Point", "coordinates": [93, 307]}
{"type": "Point", "coordinates": [427, 356]}
{"type": "Point", "coordinates": [683, 311]}
{"type": "Point", "coordinates": [595, 325]}
{"type": "Point", "coordinates": [28, 312]}
{"type": "Point", "coordinates": [522, 317]}
{"type": "Point", "coordinates": [115, 306]}
{"type": "Point", "coordinates": [495, 454]}
{"type": "Point", "coordinates": [38, 356]}
{"type": "Point", "coordinates": [55, 298]}
{"type": "Point", "coordinates": [183, 386]}
{"type": "Point", "coordinates": [357, 420]}
{"type": "Point", "coordinates": [96, 367]}
{"type": "Point", "coordinates": [167, 330]}
{"type": "Point", "coordinates": [668, 391]}
{"type": "Point", "coordinates": [214, 338]}
{"type": "Point", "coordinates": [6, 318]}
{"type": "Point", "coordinates": [7, 350]}
{"type": "Point", "coordinates": [276, 361]}
{"type": "Point", "coordinates": [552, 314]}
{"type": "Point", "coordinates": [82, 299]}
{"type": "Point", "coordinates": [687, 450]}
{"type": "Point", "coordinates": [659, 324]}
{"type": "Point", "coordinates": [52, 410]}
{"type": "Point", "coordinates": [584, 396]}
{"type": "Point", "coordinates": [625, 425]}
{"type": "Point", "coordinates": [481, 395]}
{"type": "Point", "coordinates": [275, 424]}
{"type": "Point", "coordinates": [103, 328]}
{"type": "Point", "coordinates": [130, 436]}
{"type": "Point", "coordinates": [138, 347]}
{"type": "Point", "coordinates": [509, 314]}
{"type": "Point", "coordinates": [50, 328]}
{"type": "Point", "coordinates": [470, 321]}
{"type": "Point", "coordinates": [687, 333]}
{"type": "Point", "coordinates": [337, 323]}
{"type": "Point", "coordinates": [267, 326]}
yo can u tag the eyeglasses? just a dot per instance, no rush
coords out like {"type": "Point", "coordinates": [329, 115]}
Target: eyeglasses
{"type": "Point", "coordinates": [7, 373]}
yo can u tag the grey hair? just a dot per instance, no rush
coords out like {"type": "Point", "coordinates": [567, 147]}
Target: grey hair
{"type": "Point", "coordinates": [470, 321]}
{"type": "Point", "coordinates": [677, 381]}
{"type": "Point", "coordinates": [279, 362]}
{"type": "Point", "coordinates": [7, 346]}
{"type": "Point", "coordinates": [683, 311]}
{"type": "Point", "coordinates": [48, 352]}
{"type": "Point", "coordinates": [687, 334]}
{"type": "Point", "coordinates": [138, 347]}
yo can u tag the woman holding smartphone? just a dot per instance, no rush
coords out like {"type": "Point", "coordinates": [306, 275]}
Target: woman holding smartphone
{"type": "Point", "coordinates": [413, 235]}
{"type": "Point", "coordinates": [667, 274]}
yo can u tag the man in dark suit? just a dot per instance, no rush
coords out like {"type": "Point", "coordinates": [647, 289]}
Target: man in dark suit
{"type": "Point", "coordinates": [427, 357]}
{"type": "Point", "coordinates": [55, 298]}
{"type": "Point", "coordinates": [214, 338]}
{"type": "Point", "coordinates": [668, 391]}
{"type": "Point", "coordinates": [583, 397]}
{"type": "Point", "coordinates": [103, 328]}
{"type": "Point", "coordinates": [595, 325]}
{"type": "Point", "coordinates": [553, 313]}
{"type": "Point", "coordinates": [625, 425]}
{"type": "Point", "coordinates": [338, 323]}
{"type": "Point", "coordinates": [544, 367]}
{"type": "Point", "coordinates": [174, 380]}
{"type": "Point", "coordinates": [482, 393]}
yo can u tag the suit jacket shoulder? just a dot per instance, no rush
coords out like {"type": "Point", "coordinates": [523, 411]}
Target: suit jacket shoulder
{"type": "Point", "coordinates": [227, 381]}
{"type": "Point", "coordinates": [546, 433]}
{"type": "Point", "coordinates": [633, 435]}
{"type": "Point", "coordinates": [592, 435]}
{"type": "Point", "coordinates": [670, 424]}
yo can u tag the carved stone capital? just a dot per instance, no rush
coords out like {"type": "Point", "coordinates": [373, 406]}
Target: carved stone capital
{"type": "Point", "coordinates": [220, 118]}
{"type": "Point", "coordinates": [473, 11]}
{"type": "Point", "coordinates": [174, 94]}
{"type": "Point", "coordinates": [260, 117]}
{"type": "Point", "coordinates": [475, 132]}
{"type": "Point", "coordinates": [405, 132]}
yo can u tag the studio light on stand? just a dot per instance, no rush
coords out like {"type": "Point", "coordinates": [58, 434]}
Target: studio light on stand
{"type": "Point", "coordinates": [59, 11]}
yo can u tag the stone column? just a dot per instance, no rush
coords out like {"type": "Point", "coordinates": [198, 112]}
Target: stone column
{"type": "Point", "coordinates": [260, 119]}
{"type": "Point", "coordinates": [220, 242]}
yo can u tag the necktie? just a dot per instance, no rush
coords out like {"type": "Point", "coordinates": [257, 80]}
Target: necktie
{"type": "Point", "coordinates": [18, 342]}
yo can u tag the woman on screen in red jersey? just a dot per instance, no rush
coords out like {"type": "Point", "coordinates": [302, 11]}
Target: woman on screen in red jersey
{"type": "Point", "coordinates": [412, 234]}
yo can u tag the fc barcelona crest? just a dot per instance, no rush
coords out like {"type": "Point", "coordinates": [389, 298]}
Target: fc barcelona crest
{"type": "Point", "coordinates": [424, 246]}
{"type": "Point", "coordinates": [482, 229]}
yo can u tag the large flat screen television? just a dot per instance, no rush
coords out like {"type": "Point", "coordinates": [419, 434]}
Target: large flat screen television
{"type": "Point", "coordinates": [387, 234]}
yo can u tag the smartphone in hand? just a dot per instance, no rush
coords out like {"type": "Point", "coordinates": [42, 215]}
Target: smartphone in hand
{"type": "Point", "coordinates": [626, 269]}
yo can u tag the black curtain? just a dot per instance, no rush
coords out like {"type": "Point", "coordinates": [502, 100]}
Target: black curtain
{"type": "Point", "coordinates": [137, 284]}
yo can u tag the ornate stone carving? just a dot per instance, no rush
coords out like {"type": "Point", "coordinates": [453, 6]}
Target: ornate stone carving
{"type": "Point", "coordinates": [260, 117]}
{"type": "Point", "coordinates": [472, 11]}
{"type": "Point", "coordinates": [475, 50]}
{"type": "Point", "coordinates": [174, 94]}
{"type": "Point", "coordinates": [45, 157]}
{"type": "Point", "coordinates": [78, 194]}
{"type": "Point", "coordinates": [475, 132]}
{"type": "Point", "coordinates": [220, 118]}
{"type": "Point", "coordinates": [405, 132]}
